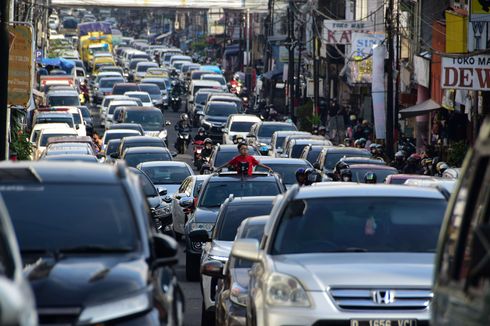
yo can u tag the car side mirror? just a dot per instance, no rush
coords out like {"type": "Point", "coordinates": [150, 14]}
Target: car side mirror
{"type": "Point", "coordinates": [163, 191]}
{"type": "Point", "coordinates": [14, 308]}
{"type": "Point", "coordinates": [284, 155]}
{"type": "Point", "coordinates": [200, 235]}
{"type": "Point", "coordinates": [213, 268]}
{"type": "Point", "coordinates": [316, 165]}
{"type": "Point", "coordinates": [167, 199]}
{"type": "Point", "coordinates": [180, 195]}
{"type": "Point", "coordinates": [165, 249]}
{"type": "Point", "coordinates": [77, 127]}
{"type": "Point", "coordinates": [186, 202]}
{"type": "Point", "coordinates": [246, 249]}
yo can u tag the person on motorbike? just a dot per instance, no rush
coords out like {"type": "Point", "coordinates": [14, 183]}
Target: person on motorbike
{"type": "Point", "coordinates": [182, 127]}
{"type": "Point", "coordinates": [370, 177]}
{"type": "Point", "coordinates": [201, 135]}
{"type": "Point", "coordinates": [399, 161]}
{"type": "Point", "coordinates": [243, 161]}
{"type": "Point", "coordinates": [208, 148]}
{"type": "Point", "coordinates": [311, 176]}
{"type": "Point", "coordinates": [441, 167]}
{"type": "Point", "coordinates": [360, 143]}
{"type": "Point", "coordinates": [346, 175]}
{"type": "Point", "coordinates": [413, 165]}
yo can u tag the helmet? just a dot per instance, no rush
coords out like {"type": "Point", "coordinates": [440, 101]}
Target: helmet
{"type": "Point", "coordinates": [201, 129]}
{"type": "Point", "coordinates": [311, 176]}
{"type": "Point", "coordinates": [414, 158]}
{"type": "Point", "coordinates": [370, 177]}
{"type": "Point", "coordinates": [347, 141]}
{"type": "Point", "coordinates": [400, 155]}
{"type": "Point", "coordinates": [346, 175]}
{"type": "Point", "coordinates": [208, 141]}
{"type": "Point", "coordinates": [184, 116]}
{"type": "Point", "coordinates": [441, 167]}
{"type": "Point", "coordinates": [341, 165]}
{"type": "Point", "coordinates": [372, 148]}
{"type": "Point", "coordinates": [300, 172]}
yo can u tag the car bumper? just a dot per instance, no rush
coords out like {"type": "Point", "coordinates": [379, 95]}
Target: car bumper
{"type": "Point", "coordinates": [324, 312]}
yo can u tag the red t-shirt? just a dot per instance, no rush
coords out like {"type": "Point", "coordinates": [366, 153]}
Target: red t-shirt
{"type": "Point", "coordinates": [237, 160]}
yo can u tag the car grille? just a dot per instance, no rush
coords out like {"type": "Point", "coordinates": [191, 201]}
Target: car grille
{"type": "Point", "coordinates": [58, 316]}
{"type": "Point", "coordinates": [382, 299]}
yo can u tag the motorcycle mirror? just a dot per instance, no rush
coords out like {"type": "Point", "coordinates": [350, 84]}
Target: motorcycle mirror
{"type": "Point", "coordinates": [168, 123]}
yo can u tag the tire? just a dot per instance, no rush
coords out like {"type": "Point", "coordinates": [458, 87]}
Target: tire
{"type": "Point", "coordinates": [192, 263]}
{"type": "Point", "coordinates": [207, 318]}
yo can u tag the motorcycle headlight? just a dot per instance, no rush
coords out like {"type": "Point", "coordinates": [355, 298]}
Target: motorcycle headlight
{"type": "Point", "coordinates": [285, 290]}
{"type": "Point", "coordinates": [201, 226]}
{"type": "Point", "coordinates": [115, 309]}
{"type": "Point", "coordinates": [238, 294]}
{"type": "Point", "coordinates": [163, 134]}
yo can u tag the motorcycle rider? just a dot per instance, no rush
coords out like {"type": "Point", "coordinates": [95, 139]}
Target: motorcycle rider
{"type": "Point", "coordinates": [346, 175]}
{"type": "Point", "coordinates": [413, 165]}
{"type": "Point", "coordinates": [243, 161]}
{"type": "Point", "coordinates": [201, 135]}
{"type": "Point", "coordinates": [441, 167]}
{"type": "Point", "coordinates": [183, 126]}
{"type": "Point", "coordinates": [208, 148]}
{"type": "Point", "coordinates": [399, 161]}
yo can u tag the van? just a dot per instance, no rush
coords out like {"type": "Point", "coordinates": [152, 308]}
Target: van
{"type": "Point", "coordinates": [177, 57]}
{"type": "Point", "coordinates": [196, 85]}
{"type": "Point", "coordinates": [462, 270]}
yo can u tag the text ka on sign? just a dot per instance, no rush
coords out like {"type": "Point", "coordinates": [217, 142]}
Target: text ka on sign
{"type": "Point", "coordinates": [472, 73]}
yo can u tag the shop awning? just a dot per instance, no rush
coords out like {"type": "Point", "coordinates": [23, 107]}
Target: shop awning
{"type": "Point", "coordinates": [164, 35]}
{"type": "Point", "coordinates": [420, 109]}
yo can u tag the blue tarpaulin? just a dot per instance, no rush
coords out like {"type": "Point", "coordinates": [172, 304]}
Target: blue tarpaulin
{"type": "Point", "coordinates": [85, 28]}
{"type": "Point", "coordinates": [214, 69]}
{"type": "Point", "coordinates": [66, 65]}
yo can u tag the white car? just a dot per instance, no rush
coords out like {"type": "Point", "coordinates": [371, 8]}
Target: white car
{"type": "Point", "coordinates": [112, 107]}
{"type": "Point", "coordinates": [47, 133]}
{"type": "Point", "coordinates": [219, 78]}
{"type": "Point", "coordinates": [238, 125]}
{"type": "Point", "coordinates": [36, 130]}
{"type": "Point", "coordinates": [345, 254]}
{"type": "Point", "coordinates": [78, 121]}
{"type": "Point", "coordinates": [144, 97]}
{"type": "Point", "coordinates": [105, 105]}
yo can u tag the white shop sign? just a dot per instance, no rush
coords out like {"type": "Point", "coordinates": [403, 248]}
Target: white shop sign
{"type": "Point", "coordinates": [472, 73]}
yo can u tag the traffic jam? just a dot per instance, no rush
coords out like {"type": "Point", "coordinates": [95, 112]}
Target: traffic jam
{"type": "Point", "coordinates": [148, 172]}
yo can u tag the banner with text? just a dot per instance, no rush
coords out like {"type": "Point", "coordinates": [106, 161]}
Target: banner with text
{"type": "Point", "coordinates": [471, 73]}
{"type": "Point", "coordinates": [21, 64]}
{"type": "Point", "coordinates": [340, 31]}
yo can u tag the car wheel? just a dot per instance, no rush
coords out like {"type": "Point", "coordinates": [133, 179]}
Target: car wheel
{"type": "Point", "coordinates": [207, 318]}
{"type": "Point", "coordinates": [192, 263]}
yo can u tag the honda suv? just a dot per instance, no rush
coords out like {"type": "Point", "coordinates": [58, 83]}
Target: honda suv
{"type": "Point", "coordinates": [213, 193]}
{"type": "Point", "coordinates": [345, 255]}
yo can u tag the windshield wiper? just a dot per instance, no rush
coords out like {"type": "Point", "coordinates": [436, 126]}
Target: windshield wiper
{"type": "Point", "coordinates": [95, 249]}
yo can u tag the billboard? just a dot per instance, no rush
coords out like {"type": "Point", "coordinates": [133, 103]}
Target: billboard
{"type": "Point", "coordinates": [340, 31]}
{"type": "Point", "coordinates": [479, 10]}
{"type": "Point", "coordinates": [471, 73]}
{"type": "Point", "coordinates": [21, 64]}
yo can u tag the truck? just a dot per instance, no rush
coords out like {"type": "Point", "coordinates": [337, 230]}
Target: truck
{"type": "Point", "coordinates": [94, 37]}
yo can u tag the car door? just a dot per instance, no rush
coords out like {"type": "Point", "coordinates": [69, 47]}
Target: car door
{"type": "Point", "coordinates": [462, 270]}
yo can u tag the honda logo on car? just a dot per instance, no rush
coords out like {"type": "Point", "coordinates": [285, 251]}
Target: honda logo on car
{"type": "Point", "coordinates": [471, 73]}
{"type": "Point", "coordinates": [383, 296]}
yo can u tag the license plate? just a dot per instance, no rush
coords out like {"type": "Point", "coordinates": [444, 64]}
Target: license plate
{"type": "Point", "coordinates": [384, 322]}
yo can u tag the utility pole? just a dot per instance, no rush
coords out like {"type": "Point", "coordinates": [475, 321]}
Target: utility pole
{"type": "Point", "coordinates": [316, 86]}
{"type": "Point", "coordinates": [390, 89]}
{"type": "Point", "coordinates": [298, 69]}
{"type": "Point", "coordinates": [4, 76]}
{"type": "Point", "coordinates": [291, 41]}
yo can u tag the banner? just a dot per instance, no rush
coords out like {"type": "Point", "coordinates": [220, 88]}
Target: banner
{"type": "Point", "coordinates": [378, 91]}
{"type": "Point", "coordinates": [361, 64]}
{"type": "Point", "coordinates": [471, 73]}
{"type": "Point", "coordinates": [21, 64]}
{"type": "Point", "coordinates": [340, 31]}
{"type": "Point", "coordinates": [479, 11]}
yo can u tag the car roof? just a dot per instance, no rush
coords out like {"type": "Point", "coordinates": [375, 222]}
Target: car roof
{"type": "Point", "coordinates": [111, 78]}
{"type": "Point", "coordinates": [349, 190]}
{"type": "Point", "coordinates": [121, 131]}
{"type": "Point", "coordinates": [221, 103]}
{"type": "Point", "coordinates": [250, 200]}
{"type": "Point", "coordinates": [165, 163]}
{"type": "Point", "coordinates": [142, 108]}
{"type": "Point", "coordinates": [244, 117]}
{"type": "Point", "coordinates": [275, 123]}
{"type": "Point", "coordinates": [372, 166]}
{"type": "Point", "coordinates": [122, 102]}
{"type": "Point", "coordinates": [339, 149]}
{"type": "Point", "coordinates": [58, 130]}
{"type": "Point", "coordinates": [231, 176]}
{"type": "Point", "coordinates": [200, 82]}
{"type": "Point", "coordinates": [146, 149]}
{"type": "Point", "coordinates": [126, 84]}
{"type": "Point", "coordinates": [279, 160]}
{"type": "Point", "coordinates": [62, 92]}
{"type": "Point", "coordinates": [229, 148]}
{"type": "Point", "coordinates": [123, 124]}
{"type": "Point", "coordinates": [135, 139]}
{"type": "Point", "coordinates": [308, 141]}
{"type": "Point", "coordinates": [56, 172]}
{"type": "Point", "coordinates": [54, 114]}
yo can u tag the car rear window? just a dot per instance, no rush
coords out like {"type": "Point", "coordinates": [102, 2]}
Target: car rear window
{"type": "Point", "coordinates": [121, 89]}
{"type": "Point", "coordinates": [241, 126]}
{"type": "Point", "coordinates": [235, 215]}
{"type": "Point", "coordinates": [359, 224]}
{"type": "Point", "coordinates": [216, 192]}
{"type": "Point", "coordinates": [333, 158]}
{"type": "Point", "coordinates": [268, 130]}
{"type": "Point", "coordinates": [137, 158]}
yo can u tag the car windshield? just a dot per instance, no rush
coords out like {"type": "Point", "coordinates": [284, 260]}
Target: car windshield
{"type": "Point", "coordinates": [109, 83]}
{"type": "Point", "coordinates": [286, 171]}
{"type": "Point", "coordinates": [145, 98]}
{"type": "Point", "coordinates": [221, 110]}
{"type": "Point", "coordinates": [149, 120]}
{"type": "Point", "coordinates": [333, 158]}
{"type": "Point", "coordinates": [201, 98]}
{"type": "Point", "coordinates": [266, 131]}
{"type": "Point", "coordinates": [76, 118]}
{"type": "Point", "coordinates": [117, 135]}
{"type": "Point", "coordinates": [297, 150]}
{"type": "Point", "coordinates": [144, 68]}
{"type": "Point", "coordinates": [160, 84]}
{"type": "Point", "coordinates": [113, 107]}
{"type": "Point", "coordinates": [69, 225]}
{"type": "Point", "coordinates": [381, 174]}
{"type": "Point", "coordinates": [148, 188]}
{"type": "Point", "coordinates": [166, 174]}
{"type": "Point", "coordinates": [69, 100]}
{"type": "Point", "coordinates": [112, 147]}
{"type": "Point", "coordinates": [225, 156]}
{"type": "Point", "coordinates": [45, 137]}
{"type": "Point", "coordinates": [235, 215]}
{"type": "Point", "coordinates": [133, 64]}
{"type": "Point", "coordinates": [359, 224]}
{"type": "Point", "coordinates": [121, 89]}
{"type": "Point", "coordinates": [137, 158]}
{"type": "Point", "coordinates": [150, 89]}
{"type": "Point", "coordinates": [242, 126]}
{"type": "Point", "coordinates": [68, 120]}
{"type": "Point", "coordinates": [216, 192]}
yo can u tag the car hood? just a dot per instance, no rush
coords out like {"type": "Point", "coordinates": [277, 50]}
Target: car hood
{"type": "Point", "coordinates": [221, 248]}
{"type": "Point", "coordinates": [171, 188]}
{"type": "Point", "coordinates": [206, 215]}
{"type": "Point", "coordinates": [215, 118]}
{"type": "Point", "coordinates": [77, 281]}
{"type": "Point", "coordinates": [317, 272]}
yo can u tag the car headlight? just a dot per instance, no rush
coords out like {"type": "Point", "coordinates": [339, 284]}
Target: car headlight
{"type": "Point", "coordinates": [285, 290]}
{"type": "Point", "coordinates": [238, 294]}
{"type": "Point", "coordinates": [201, 226]}
{"type": "Point", "coordinates": [115, 309]}
{"type": "Point", "coordinates": [163, 134]}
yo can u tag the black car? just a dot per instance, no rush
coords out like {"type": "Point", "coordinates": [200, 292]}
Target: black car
{"type": "Point", "coordinates": [131, 126]}
{"type": "Point", "coordinates": [329, 156]}
{"type": "Point", "coordinates": [214, 192]}
{"type": "Point", "coordinates": [215, 116]}
{"type": "Point", "coordinates": [136, 155]}
{"type": "Point", "coordinates": [87, 244]}
{"type": "Point", "coordinates": [139, 141]}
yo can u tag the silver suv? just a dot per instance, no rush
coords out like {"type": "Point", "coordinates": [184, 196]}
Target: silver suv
{"type": "Point", "coordinates": [345, 255]}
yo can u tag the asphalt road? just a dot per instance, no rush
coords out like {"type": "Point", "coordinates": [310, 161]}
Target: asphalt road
{"type": "Point", "coordinates": [191, 290]}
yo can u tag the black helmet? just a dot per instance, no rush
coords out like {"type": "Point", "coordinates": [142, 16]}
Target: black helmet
{"type": "Point", "coordinates": [208, 141]}
{"type": "Point", "coordinates": [201, 129]}
{"type": "Point", "coordinates": [300, 172]}
{"type": "Point", "coordinates": [370, 177]}
{"type": "Point", "coordinates": [311, 176]}
{"type": "Point", "coordinates": [346, 175]}
{"type": "Point", "coordinates": [362, 142]}
{"type": "Point", "coordinates": [341, 165]}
